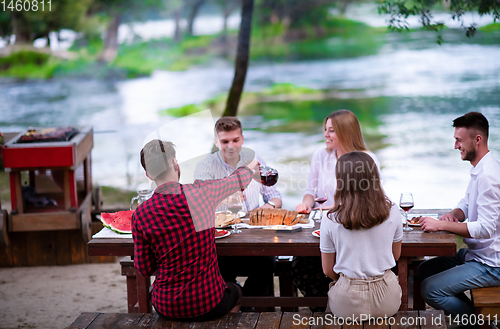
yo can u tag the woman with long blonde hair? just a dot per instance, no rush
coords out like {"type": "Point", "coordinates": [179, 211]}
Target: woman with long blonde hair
{"type": "Point", "coordinates": [342, 134]}
{"type": "Point", "coordinates": [361, 241]}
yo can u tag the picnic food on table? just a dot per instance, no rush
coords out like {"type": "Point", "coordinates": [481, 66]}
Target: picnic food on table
{"type": "Point", "coordinates": [273, 217]}
{"type": "Point", "coordinates": [220, 233]}
{"type": "Point", "coordinates": [415, 220]}
{"type": "Point", "coordinates": [120, 222]}
{"type": "Point", "coordinates": [225, 218]}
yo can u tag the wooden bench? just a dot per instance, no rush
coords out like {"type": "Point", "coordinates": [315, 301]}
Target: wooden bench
{"type": "Point", "coordinates": [139, 300]}
{"type": "Point", "coordinates": [487, 302]}
{"type": "Point", "coordinates": [264, 320]}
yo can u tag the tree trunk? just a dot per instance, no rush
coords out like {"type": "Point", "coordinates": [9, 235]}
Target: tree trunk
{"type": "Point", "coordinates": [192, 15]}
{"type": "Point", "coordinates": [177, 20]}
{"type": "Point", "coordinates": [111, 41]}
{"type": "Point", "coordinates": [242, 58]}
{"type": "Point", "coordinates": [21, 29]}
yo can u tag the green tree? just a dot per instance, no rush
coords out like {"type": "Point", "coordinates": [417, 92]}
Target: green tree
{"type": "Point", "coordinates": [400, 10]}
{"type": "Point", "coordinates": [63, 14]}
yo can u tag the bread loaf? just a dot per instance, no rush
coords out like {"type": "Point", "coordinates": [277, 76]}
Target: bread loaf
{"type": "Point", "coordinates": [264, 217]}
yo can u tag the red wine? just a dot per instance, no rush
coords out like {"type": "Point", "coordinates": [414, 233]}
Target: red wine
{"type": "Point", "coordinates": [268, 176]}
{"type": "Point", "coordinates": [320, 200]}
{"type": "Point", "coordinates": [269, 180]}
{"type": "Point", "coordinates": [406, 208]}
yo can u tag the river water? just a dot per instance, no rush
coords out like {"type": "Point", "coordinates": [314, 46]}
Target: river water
{"type": "Point", "coordinates": [425, 87]}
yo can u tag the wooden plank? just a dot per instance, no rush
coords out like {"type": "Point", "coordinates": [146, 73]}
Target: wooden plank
{"type": "Point", "coordinates": [288, 320]}
{"type": "Point", "coordinates": [105, 321]}
{"type": "Point", "coordinates": [129, 321]}
{"type": "Point", "coordinates": [4, 229]}
{"type": "Point", "coordinates": [284, 301]}
{"type": "Point", "coordinates": [84, 147]}
{"type": "Point", "coordinates": [16, 190]}
{"type": "Point", "coordinates": [45, 222]}
{"type": "Point", "coordinates": [83, 320]}
{"type": "Point", "coordinates": [148, 321]}
{"type": "Point", "coordinates": [433, 319]}
{"type": "Point", "coordinates": [40, 248]}
{"type": "Point", "coordinates": [78, 247]}
{"type": "Point", "coordinates": [62, 243]}
{"type": "Point", "coordinates": [403, 281]}
{"type": "Point", "coordinates": [269, 320]}
{"type": "Point", "coordinates": [486, 297]}
{"type": "Point", "coordinates": [323, 320]}
{"type": "Point", "coordinates": [67, 191]}
{"type": "Point", "coordinates": [19, 249]}
{"type": "Point", "coordinates": [247, 320]}
{"type": "Point", "coordinates": [406, 320]}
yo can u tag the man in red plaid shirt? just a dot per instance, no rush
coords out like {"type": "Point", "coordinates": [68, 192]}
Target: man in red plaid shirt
{"type": "Point", "coordinates": [174, 235]}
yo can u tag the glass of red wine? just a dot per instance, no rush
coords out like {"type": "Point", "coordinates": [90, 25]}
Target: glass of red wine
{"type": "Point", "coordinates": [406, 203]}
{"type": "Point", "coordinates": [268, 175]}
{"type": "Point", "coordinates": [320, 201]}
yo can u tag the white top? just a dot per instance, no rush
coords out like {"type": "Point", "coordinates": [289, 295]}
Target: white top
{"type": "Point", "coordinates": [213, 167]}
{"type": "Point", "coordinates": [481, 206]}
{"type": "Point", "coordinates": [322, 174]}
{"type": "Point", "coordinates": [362, 253]}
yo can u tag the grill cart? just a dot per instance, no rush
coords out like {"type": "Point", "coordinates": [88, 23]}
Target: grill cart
{"type": "Point", "coordinates": [51, 190]}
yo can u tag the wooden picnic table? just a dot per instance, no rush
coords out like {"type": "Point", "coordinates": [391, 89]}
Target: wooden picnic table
{"type": "Point", "coordinates": [258, 242]}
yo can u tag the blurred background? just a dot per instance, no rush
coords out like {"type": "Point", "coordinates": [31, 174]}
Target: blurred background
{"type": "Point", "coordinates": [133, 68]}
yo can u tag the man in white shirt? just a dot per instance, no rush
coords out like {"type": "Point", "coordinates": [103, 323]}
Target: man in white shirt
{"type": "Point", "coordinates": [476, 219]}
{"type": "Point", "coordinates": [229, 139]}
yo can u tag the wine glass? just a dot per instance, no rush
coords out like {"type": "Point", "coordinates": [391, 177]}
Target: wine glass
{"type": "Point", "coordinates": [406, 203]}
{"type": "Point", "coordinates": [235, 205]}
{"type": "Point", "coordinates": [320, 201]}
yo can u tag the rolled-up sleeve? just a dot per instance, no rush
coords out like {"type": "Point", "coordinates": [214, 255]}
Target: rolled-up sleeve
{"type": "Point", "coordinates": [488, 208]}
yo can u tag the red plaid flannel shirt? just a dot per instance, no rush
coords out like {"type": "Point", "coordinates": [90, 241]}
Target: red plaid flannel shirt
{"type": "Point", "coordinates": [174, 234]}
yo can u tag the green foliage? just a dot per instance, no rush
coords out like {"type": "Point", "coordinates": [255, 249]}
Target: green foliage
{"type": "Point", "coordinates": [339, 38]}
{"type": "Point", "coordinates": [28, 64]}
{"type": "Point", "coordinates": [400, 10]}
{"type": "Point", "coordinates": [494, 27]}
{"type": "Point", "coordinates": [182, 111]}
{"type": "Point", "coordinates": [287, 89]}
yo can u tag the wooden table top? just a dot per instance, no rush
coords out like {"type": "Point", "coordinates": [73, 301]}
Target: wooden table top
{"type": "Point", "coordinates": [258, 242]}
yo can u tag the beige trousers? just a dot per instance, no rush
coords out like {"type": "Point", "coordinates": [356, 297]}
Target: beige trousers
{"type": "Point", "coordinates": [375, 297]}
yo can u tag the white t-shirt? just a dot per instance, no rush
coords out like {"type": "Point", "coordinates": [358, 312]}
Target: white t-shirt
{"type": "Point", "coordinates": [362, 253]}
{"type": "Point", "coordinates": [322, 175]}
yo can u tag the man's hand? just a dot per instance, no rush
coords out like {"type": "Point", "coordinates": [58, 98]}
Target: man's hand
{"type": "Point", "coordinates": [449, 218]}
{"type": "Point", "coordinates": [254, 166]}
{"type": "Point", "coordinates": [430, 224]}
{"type": "Point", "coordinates": [303, 208]}
{"type": "Point", "coordinates": [266, 206]}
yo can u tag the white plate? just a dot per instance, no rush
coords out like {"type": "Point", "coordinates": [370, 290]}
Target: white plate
{"type": "Point", "coordinates": [315, 233]}
{"type": "Point", "coordinates": [228, 233]}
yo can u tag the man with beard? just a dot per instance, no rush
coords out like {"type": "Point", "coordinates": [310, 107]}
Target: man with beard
{"type": "Point", "coordinates": [174, 235]}
{"type": "Point", "coordinates": [476, 219]}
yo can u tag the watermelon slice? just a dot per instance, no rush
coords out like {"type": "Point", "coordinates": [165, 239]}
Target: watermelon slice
{"type": "Point", "coordinates": [120, 222]}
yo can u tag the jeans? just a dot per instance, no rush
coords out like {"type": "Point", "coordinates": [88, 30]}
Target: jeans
{"type": "Point", "coordinates": [446, 278]}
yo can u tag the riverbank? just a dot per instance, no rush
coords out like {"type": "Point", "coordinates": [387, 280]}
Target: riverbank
{"type": "Point", "coordinates": [337, 37]}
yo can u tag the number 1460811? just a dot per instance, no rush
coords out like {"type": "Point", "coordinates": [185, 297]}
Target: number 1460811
{"type": "Point", "coordinates": [26, 5]}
